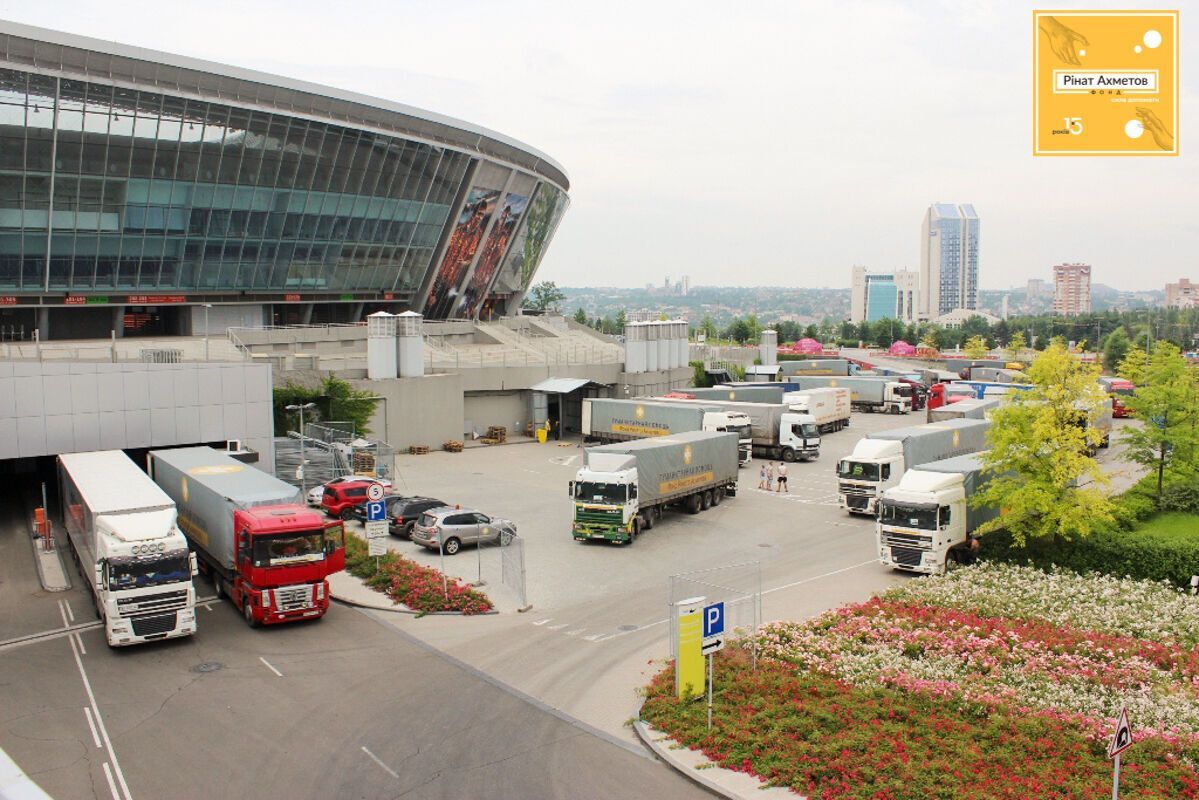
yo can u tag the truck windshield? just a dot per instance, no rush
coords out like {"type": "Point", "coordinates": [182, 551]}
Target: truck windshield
{"type": "Point", "coordinates": [289, 548]}
{"type": "Point", "coordinates": [132, 572]}
{"type": "Point", "coordinates": [857, 469]}
{"type": "Point", "coordinates": [600, 492]}
{"type": "Point", "coordinates": [742, 431]}
{"type": "Point", "coordinates": [903, 390]}
{"type": "Point", "coordinates": [922, 517]}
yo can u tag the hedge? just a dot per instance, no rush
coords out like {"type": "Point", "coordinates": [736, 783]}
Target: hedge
{"type": "Point", "coordinates": [418, 587]}
{"type": "Point", "coordinates": [1145, 544]}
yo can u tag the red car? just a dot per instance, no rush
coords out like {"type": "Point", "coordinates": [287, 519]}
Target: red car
{"type": "Point", "coordinates": [340, 498]}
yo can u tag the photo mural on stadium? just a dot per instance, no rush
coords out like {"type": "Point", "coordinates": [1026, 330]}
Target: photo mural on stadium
{"type": "Point", "coordinates": [489, 260]}
{"type": "Point", "coordinates": [545, 212]}
{"type": "Point", "coordinates": [460, 252]}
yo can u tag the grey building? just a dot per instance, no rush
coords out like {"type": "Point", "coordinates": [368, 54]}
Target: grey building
{"type": "Point", "coordinates": [948, 259]}
{"type": "Point", "coordinates": [139, 189]}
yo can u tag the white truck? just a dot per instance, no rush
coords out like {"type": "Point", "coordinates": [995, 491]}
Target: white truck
{"type": "Point", "coordinates": [829, 408]}
{"type": "Point", "coordinates": [973, 408]}
{"type": "Point", "coordinates": [880, 459]}
{"type": "Point", "coordinates": [614, 420]}
{"type": "Point", "coordinates": [866, 392]}
{"type": "Point", "coordinates": [925, 521]}
{"type": "Point", "coordinates": [777, 430]}
{"type": "Point", "coordinates": [623, 488]}
{"type": "Point", "coordinates": [127, 548]}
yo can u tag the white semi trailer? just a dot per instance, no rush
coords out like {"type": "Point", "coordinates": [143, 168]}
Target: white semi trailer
{"type": "Point", "coordinates": [127, 548]}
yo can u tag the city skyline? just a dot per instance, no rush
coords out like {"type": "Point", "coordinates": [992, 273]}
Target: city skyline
{"type": "Point", "coordinates": [651, 137]}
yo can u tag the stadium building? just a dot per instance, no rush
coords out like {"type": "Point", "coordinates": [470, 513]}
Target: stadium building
{"type": "Point", "coordinates": [150, 194]}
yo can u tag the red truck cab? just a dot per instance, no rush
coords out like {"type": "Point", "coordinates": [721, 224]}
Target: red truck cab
{"type": "Point", "coordinates": [1118, 389]}
{"type": "Point", "coordinates": [284, 553]}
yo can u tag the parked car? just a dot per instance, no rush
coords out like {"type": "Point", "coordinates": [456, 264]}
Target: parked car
{"type": "Point", "coordinates": [405, 514]}
{"type": "Point", "coordinates": [450, 528]}
{"type": "Point", "coordinates": [317, 493]}
{"type": "Point", "coordinates": [339, 499]}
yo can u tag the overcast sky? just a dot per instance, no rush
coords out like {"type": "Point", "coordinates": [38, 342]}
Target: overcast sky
{"type": "Point", "coordinates": [778, 143]}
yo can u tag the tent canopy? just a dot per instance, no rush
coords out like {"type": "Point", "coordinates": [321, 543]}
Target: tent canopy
{"type": "Point", "coordinates": [562, 385]}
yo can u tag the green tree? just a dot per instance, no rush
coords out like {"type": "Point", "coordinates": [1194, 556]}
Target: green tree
{"type": "Point", "coordinates": [931, 338]}
{"type": "Point", "coordinates": [848, 331]}
{"type": "Point", "coordinates": [1166, 402]}
{"type": "Point", "coordinates": [544, 296]}
{"type": "Point", "coordinates": [810, 332]}
{"type": "Point", "coordinates": [1016, 345]}
{"type": "Point", "coordinates": [708, 327]}
{"type": "Point", "coordinates": [1115, 348]}
{"type": "Point", "coordinates": [754, 328]}
{"type": "Point", "coordinates": [622, 321]}
{"type": "Point", "coordinates": [581, 316]}
{"type": "Point", "coordinates": [738, 330]}
{"type": "Point", "coordinates": [336, 401]}
{"type": "Point", "coordinates": [976, 347]}
{"type": "Point", "coordinates": [1043, 479]}
{"type": "Point", "coordinates": [1134, 365]}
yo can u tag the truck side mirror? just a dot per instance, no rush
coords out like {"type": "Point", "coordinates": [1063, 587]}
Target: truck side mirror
{"type": "Point", "coordinates": [571, 488]}
{"type": "Point", "coordinates": [191, 557]}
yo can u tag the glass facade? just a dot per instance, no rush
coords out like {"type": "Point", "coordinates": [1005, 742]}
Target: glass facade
{"type": "Point", "coordinates": [107, 188]}
{"type": "Point", "coordinates": [881, 297]}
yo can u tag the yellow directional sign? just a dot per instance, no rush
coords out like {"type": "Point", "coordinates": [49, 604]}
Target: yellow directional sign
{"type": "Point", "coordinates": [689, 668]}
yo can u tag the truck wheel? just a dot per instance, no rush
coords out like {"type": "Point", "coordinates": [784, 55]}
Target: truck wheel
{"type": "Point", "coordinates": [718, 496]}
{"type": "Point", "coordinates": [788, 454]}
{"type": "Point", "coordinates": [647, 518]}
{"type": "Point", "coordinates": [706, 500]}
{"type": "Point", "coordinates": [451, 546]}
{"type": "Point", "coordinates": [217, 588]}
{"type": "Point", "coordinates": [693, 504]}
{"type": "Point", "coordinates": [248, 613]}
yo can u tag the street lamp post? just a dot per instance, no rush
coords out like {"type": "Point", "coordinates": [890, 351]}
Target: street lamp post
{"type": "Point", "coordinates": [301, 409]}
{"type": "Point", "coordinates": [206, 307]}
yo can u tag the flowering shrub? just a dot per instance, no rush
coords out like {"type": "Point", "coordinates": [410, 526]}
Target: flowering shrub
{"type": "Point", "coordinates": [995, 681]}
{"type": "Point", "coordinates": [418, 587]}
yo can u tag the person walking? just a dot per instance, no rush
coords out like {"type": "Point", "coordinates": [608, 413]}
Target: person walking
{"type": "Point", "coordinates": [783, 479]}
{"type": "Point", "coordinates": [762, 477]}
{"type": "Point", "coordinates": [770, 477]}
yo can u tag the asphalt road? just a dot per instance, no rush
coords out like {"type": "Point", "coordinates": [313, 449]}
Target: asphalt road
{"type": "Point", "coordinates": [343, 707]}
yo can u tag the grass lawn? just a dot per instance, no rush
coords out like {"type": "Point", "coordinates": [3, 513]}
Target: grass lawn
{"type": "Point", "coordinates": [1172, 526]}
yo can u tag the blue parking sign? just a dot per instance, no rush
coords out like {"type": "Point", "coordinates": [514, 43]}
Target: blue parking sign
{"type": "Point", "coordinates": [376, 511]}
{"type": "Point", "coordinates": [713, 619]}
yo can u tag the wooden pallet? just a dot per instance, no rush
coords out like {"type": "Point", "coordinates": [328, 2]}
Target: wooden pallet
{"type": "Point", "coordinates": [418, 449]}
{"type": "Point", "coordinates": [490, 440]}
{"type": "Point", "coordinates": [452, 446]}
{"type": "Point", "coordinates": [497, 432]}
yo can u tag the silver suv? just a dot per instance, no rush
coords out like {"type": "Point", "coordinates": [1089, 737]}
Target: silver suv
{"type": "Point", "coordinates": [450, 528]}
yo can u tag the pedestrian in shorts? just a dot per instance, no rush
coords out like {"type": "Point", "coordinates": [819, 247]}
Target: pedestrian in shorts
{"type": "Point", "coordinates": [770, 477]}
{"type": "Point", "coordinates": [762, 477]}
{"type": "Point", "coordinates": [783, 479]}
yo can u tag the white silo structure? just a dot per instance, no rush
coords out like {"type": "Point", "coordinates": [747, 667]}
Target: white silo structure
{"type": "Point", "coordinates": [381, 352]}
{"type": "Point", "coordinates": [665, 346]}
{"type": "Point", "coordinates": [634, 348]}
{"type": "Point", "coordinates": [410, 345]}
{"type": "Point", "coordinates": [769, 348]}
{"type": "Point", "coordinates": [651, 346]}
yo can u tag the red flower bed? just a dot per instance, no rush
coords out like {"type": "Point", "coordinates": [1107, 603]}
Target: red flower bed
{"type": "Point", "coordinates": [829, 740]}
{"type": "Point", "coordinates": [418, 587]}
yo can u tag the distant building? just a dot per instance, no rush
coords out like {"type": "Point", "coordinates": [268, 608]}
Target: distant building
{"type": "Point", "coordinates": [1004, 307]}
{"type": "Point", "coordinates": [955, 318]}
{"type": "Point", "coordinates": [685, 285]}
{"type": "Point", "coordinates": [1036, 288]}
{"type": "Point", "coordinates": [948, 260]}
{"type": "Point", "coordinates": [1183, 294]}
{"type": "Point", "coordinates": [878, 295]}
{"type": "Point", "coordinates": [1072, 289]}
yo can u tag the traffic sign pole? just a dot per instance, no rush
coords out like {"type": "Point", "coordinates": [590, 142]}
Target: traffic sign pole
{"type": "Point", "coordinates": [1115, 777]}
{"type": "Point", "coordinates": [709, 691]}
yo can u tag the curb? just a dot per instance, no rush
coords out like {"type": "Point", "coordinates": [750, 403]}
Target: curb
{"type": "Point", "coordinates": [400, 608]}
{"type": "Point", "coordinates": [646, 734]}
{"type": "Point", "coordinates": [41, 574]}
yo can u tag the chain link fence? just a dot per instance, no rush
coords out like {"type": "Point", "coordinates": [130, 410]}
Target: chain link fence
{"type": "Point", "coordinates": [738, 586]}
{"type": "Point", "coordinates": [501, 562]}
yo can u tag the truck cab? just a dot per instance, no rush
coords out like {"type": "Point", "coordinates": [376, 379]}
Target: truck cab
{"type": "Point", "coordinates": [605, 504]}
{"type": "Point", "coordinates": [921, 520]}
{"type": "Point", "coordinates": [733, 422]}
{"type": "Point", "coordinates": [874, 466]}
{"type": "Point", "coordinates": [283, 555]}
{"type": "Point", "coordinates": [799, 437]}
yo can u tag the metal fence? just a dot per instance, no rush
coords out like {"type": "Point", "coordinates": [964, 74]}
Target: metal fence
{"type": "Point", "coordinates": [502, 561]}
{"type": "Point", "coordinates": [739, 586]}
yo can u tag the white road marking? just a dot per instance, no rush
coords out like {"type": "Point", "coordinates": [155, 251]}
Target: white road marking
{"type": "Point", "coordinates": [595, 637]}
{"type": "Point", "coordinates": [79, 641]}
{"type": "Point", "coordinates": [793, 584]}
{"type": "Point", "coordinates": [543, 621]}
{"type": "Point", "coordinates": [70, 611]}
{"type": "Point", "coordinates": [376, 759]}
{"type": "Point", "coordinates": [91, 723]}
{"type": "Point", "coordinates": [556, 627]}
{"type": "Point", "coordinates": [112, 787]}
{"type": "Point", "coordinates": [634, 630]}
{"type": "Point", "coordinates": [575, 632]}
{"type": "Point", "coordinates": [91, 696]}
{"type": "Point", "coordinates": [270, 667]}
